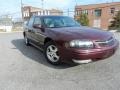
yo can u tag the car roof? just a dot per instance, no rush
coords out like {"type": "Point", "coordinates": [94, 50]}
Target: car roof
{"type": "Point", "coordinates": [48, 16]}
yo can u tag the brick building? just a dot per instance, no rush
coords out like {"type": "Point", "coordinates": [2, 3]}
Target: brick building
{"type": "Point", "coordinates": [100, 15]}
{"type": "Point", "coordinates": [29, 11]}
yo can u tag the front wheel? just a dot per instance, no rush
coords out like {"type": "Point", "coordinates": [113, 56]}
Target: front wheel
{"type": "Point", "coordinates": [52, 53]}
{"type": "Point", "coordinates": [26, 41]}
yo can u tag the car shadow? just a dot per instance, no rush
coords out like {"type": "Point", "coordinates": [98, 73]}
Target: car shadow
{"type": "Point", "coordinates": [36, 55]}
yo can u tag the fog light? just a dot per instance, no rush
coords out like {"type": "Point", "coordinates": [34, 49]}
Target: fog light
{"type": "Point", "coordinates": [82, 61]}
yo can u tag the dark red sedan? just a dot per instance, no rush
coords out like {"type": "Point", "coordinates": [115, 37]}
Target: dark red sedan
{"type": "Point", "coordinates": [64, 40]}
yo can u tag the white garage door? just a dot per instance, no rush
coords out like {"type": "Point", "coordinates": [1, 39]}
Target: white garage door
{"type": "Point", "coordinates": [97, 23]}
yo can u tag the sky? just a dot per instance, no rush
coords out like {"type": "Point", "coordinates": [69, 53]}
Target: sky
{"type": "Point", "coordinates": [14, 6]}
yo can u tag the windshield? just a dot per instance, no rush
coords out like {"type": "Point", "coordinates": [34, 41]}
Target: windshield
{"type": "Point", "coordinates": [58, 22]}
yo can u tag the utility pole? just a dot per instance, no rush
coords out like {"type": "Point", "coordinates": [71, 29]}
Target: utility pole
{"type": "Point", "coordinates": [75, 7]}
{"type": "Point", "coordinates": [68, 11]}
{"type": "Point", "coordinates": [22, 9]}
{"type": "Point", "coordinates": [75, 2]}
{"type": "Point", "coordinates": [42, 4]}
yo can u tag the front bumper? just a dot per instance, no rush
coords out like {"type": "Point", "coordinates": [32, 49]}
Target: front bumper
{"type": "Point", "coordinates": [86, 56]}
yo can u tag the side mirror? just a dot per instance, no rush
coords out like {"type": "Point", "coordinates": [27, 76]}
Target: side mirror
{"type": "Point", "coordinates": [39, 26]}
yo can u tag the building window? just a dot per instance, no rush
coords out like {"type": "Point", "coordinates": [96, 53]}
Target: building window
{"type": "Point", "coordinates": [92, 12]}
{"type": "Point", "coordinates": [43, 12]}
{"type": "Point", "coordinates": [39, 13]}
{"type": "Point", "coordinates": [26, 14]}
{"type": "Point", "coordinates": [80, 12]}
{"type": "Point", "coordinates": [98, 12]}
{"type": "Point", "coordinates": [85, 12]}
{"type": "Point", "coordinates": [77, 12]}
{"type": "Point", "coordinates": [48, 12]}
{"type": "Point", "coordinates": [112, 10]}
{"type": "Point", "coordinates": [34, 13]}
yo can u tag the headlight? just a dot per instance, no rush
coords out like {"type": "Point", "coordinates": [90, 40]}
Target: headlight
{"type": "Point", "coordinates": [84, 44]}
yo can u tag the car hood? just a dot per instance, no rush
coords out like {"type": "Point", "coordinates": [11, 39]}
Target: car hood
{"type": "Point", "coordinates": [70, 33]}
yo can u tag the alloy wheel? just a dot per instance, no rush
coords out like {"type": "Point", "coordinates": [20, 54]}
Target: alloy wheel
{"type": "Point", "coordinates": [52, 53]}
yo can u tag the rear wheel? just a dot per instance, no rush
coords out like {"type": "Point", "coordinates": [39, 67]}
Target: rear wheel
{"type": "Point", "coordinates": [52, 53]}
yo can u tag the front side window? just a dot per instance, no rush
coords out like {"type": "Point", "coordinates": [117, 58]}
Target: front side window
{"type": "Point", "coordinates": [30, 23]}
{"type": "Point", "coordinates": [37, 21]}
{"type": "Point", "coordinates": [57, 22]}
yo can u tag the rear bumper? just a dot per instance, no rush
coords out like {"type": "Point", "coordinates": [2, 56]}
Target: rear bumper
{"type": "Point", "coordinates": [77, 55]}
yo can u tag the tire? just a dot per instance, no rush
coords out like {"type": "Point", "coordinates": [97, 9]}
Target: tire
{"type": "Point", "coordinates": [51, 53]}
{"type": "Point", "coordinates": [27, 43]}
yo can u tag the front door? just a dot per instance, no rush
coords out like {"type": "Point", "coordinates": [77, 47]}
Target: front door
{"type": "Point", "coordinates": [39, 34]}
{"type": "Point", "coordinates": [29, 28]}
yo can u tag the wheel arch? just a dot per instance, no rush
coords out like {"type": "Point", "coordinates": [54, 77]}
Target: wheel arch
{"type": "Point", "coordinates": [47, 39]}
{"type": "Point", "coordinates": [24, 34]}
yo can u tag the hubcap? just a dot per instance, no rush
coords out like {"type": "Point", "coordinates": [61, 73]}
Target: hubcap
{"type": "Point", "coordinates": [52, 53]}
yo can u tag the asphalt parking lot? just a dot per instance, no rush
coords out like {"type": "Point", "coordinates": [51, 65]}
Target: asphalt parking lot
{"type": "Point", "coordinates": [25, 68]}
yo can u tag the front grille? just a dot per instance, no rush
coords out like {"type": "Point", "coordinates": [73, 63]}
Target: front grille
{"type": "Point", "coordinates": [106, 43]}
